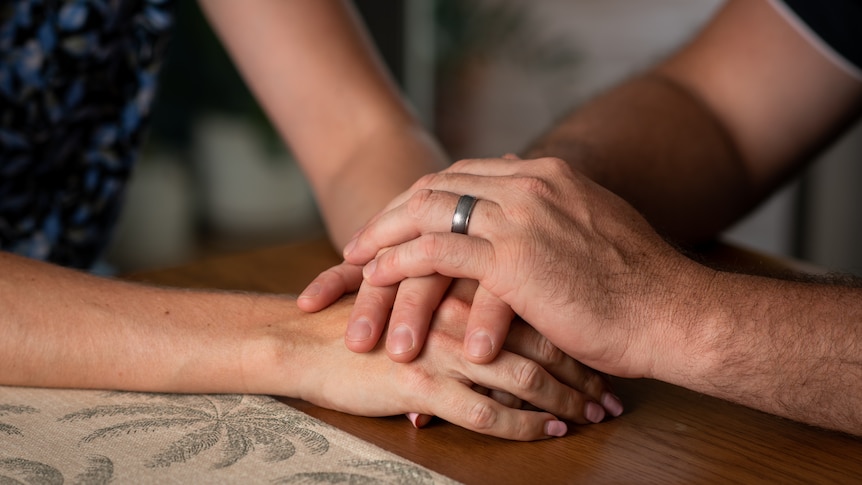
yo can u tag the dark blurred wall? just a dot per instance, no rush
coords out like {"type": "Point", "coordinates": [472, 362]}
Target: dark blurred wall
{"type": "Point", "coordinates": [385, 21]}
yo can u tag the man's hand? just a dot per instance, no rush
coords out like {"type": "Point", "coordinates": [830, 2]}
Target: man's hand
{"type": "Point", "coordinates": [414, 301]}
{"type": "Point", "coordinates": [574, 260]}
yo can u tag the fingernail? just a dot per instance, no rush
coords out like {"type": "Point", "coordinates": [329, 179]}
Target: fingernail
{"type": "Point", "coordinates": [593, 412]}
{"type": "Point", "coordinates": [413, 417]}
{"type": "Point", "coordinates": [350, 246]}
{"type": "Point", "coordinates": [556, 428]}
{"type": "Point", "coordinates": [419, 420]}
{"type": "Point", "coordinates": [311, 291]}
{"type": "Point", "coordinates": [612, 404]}
{"type": "Point", "coordinates": [359, 330]}
{"type": "Point", "coordinates": [400, 340]}
{"type": "Point", "coordinates": [479, 344]}
{"type": "Point", "coordinates": [369, 268]}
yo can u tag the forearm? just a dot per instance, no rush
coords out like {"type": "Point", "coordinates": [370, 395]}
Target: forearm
{"type": "Point", "coordinates": [656, 146]}
{"type": "Point", "coordinates": [382, 168]}
{"type": "Point", "coordinates": [789, 348]}
{"type": "Point", "coordinates": [63, 328]}
{"type": "Point", "coordinates": [315, 72]}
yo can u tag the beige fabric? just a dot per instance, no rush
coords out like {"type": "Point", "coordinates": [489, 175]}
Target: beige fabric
{"type": "Point", "coordinates": [90, 437]}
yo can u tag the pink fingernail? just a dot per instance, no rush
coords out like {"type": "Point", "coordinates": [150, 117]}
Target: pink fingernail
{"type": "Point", "coordinates": [479, 344]}
{"type": "Point", "coordinates": [612, 404]}
{"type": "Point", "coordinates": [419, 420]}
{"type": "Point", "coordinates": [311, 291]}
{"type": "Point", "coordinates": [556, 428]}
{"type": "Point", "coordinates": [359, 330]}
{"type": "Point", "coordinates": [400, 340]}
{"type": "Point", "coordinates": [593, 412]}
{"type": "Point", "coordinates": [369, 269]}
{"type": "Point", "coordinates": [413, 417]}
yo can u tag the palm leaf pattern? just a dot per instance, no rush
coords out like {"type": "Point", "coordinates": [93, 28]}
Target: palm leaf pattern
{"type": "Point", "coordinates": [6, 409]}
{"type": "Point", "coordinates": [380, 471]}
{"type": "Point", "coordinates": [19, 470]}
{"type": "Point", "coordinates": [399, 471]}
{"type": "Point", "coordinates": [229, 424]}
{"type": "Point", "coordinates": [314, 478]}
{"type": "Point", "coordinates": [100, 470]}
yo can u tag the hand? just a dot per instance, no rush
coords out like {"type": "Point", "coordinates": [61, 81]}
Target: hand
{"type": "Point", "coordinates": [411, 304]}
{"type": "Point", "coordinates": [574, 260]}
{"type": "Point", "coordinates": [414, 300]}
{"type": "Point", "coordinates": [441, 382]}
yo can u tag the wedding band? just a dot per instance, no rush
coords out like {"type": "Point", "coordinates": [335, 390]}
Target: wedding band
{"type": "Point", "coordinates": [461, 218]}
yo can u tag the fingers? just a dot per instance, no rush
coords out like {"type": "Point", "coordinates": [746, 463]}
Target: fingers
{"type": "Point", "coordinates": [482, 178]}
{"type": "Point", "coordinates": [527, 342]}
{"type": "Point", "coordinates": [488, 167]}
{"type": "Point", "coordinates": [480, 413]}
{"type": "Point", "coordinates": [483, 167]}
{"type": "Point", "coordinates": [487, 327]}
{"type": "Point", "coordinates": [414, 306]}
{"type": "Point", "coordinates": [369, 316]}
{"type": "Point", "coordinates": [452, 255]}
{"type": "Point", "coordinates": [329, 286]}
{"type": "Point", "coordinates": [426, 211]}
{"type": "Point", "coordinates": [530, 382]}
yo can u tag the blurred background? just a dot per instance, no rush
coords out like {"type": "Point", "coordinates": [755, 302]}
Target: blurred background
{"type": "Point", "coordinates": [487, 76]}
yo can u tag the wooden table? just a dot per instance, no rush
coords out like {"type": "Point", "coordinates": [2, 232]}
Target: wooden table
{"type": "Point", "coordinates": [667, 434]}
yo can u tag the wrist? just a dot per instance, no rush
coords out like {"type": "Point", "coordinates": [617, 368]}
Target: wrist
{"type": "Point", "coordinates": [680, 347]}
{"type": "Point", "coordinates": [287, 355]}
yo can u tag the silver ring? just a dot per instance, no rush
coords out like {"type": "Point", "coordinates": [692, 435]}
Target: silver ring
{"type": "Point", "coordinates": [461, 218]}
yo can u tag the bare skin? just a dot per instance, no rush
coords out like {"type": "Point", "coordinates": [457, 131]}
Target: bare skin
{"type": "Point", "coordinates": [590, 274]}
{"type": "Point", "coordinates": [344, 134]}
{"type": "Point", "coordinates": [67, 329]}
{"type": "Point", "coordinates": [98, 333]}
{"type": "Point", "coordinates": [685, 149]}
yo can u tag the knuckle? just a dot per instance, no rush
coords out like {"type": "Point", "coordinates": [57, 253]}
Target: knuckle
{"type": "Point", "coordinates": [453, 309]}
{"type": "Point", "coordinates": [372, 297]}
{"type": "Point", "coordinates": [533, 187]}
{"type": "Point", "coordinates": [571, 406]}
{"type": "Point", "coordinates": [428, 246]}
{"type": "Point", "coordinates": [417, 205]}
{"type": "Point", "coordinates": [425, 181]}
{"type": "Point", "coordinates": [549, 355]}
{"type": "Point", "coordinates": [594, 384]}
{"type": "Point", "coordinates": [528, 376]}
{"type": "Point", "coordinates": [482, 416]}
{"type": "Point", "coordinates": [341, 273]}
{"type": "Point", "coordinates": [554, 165]}
{"type": "Point", "coordinates": [409, 301]}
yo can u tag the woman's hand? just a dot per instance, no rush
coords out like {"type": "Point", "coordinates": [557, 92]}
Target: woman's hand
{"type": "Point", "coordinates": [441, 382]}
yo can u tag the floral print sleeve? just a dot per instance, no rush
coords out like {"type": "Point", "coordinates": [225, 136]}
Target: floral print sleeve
{"type": "Point", "coordinates": [77, 80]}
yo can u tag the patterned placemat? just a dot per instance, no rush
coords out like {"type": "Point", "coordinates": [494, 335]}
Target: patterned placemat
{"type": "Point", "coordinates": [93, 437]}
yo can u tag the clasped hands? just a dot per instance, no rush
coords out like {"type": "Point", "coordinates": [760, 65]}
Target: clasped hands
{"type": "Point", "coordinates": [573, 260]}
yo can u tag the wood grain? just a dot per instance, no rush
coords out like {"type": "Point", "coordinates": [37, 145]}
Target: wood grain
{"type": "Point", "coordinates": [667, 434]}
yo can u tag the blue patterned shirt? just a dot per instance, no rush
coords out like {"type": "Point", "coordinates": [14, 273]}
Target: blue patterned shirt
{"type": "Point", "coordinates": [77, 79]}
